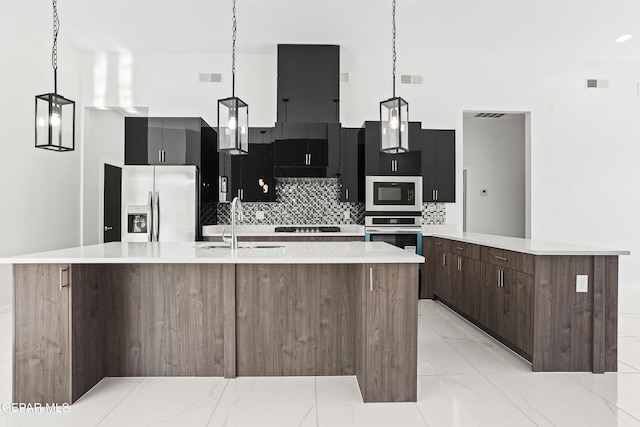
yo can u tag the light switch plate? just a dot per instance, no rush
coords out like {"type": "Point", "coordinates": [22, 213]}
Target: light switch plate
{"type": "Point", "coordinates": [582, 283]}
{"type": "Point", "coordinates": [259, 215]}
{"type": "Point", "coordinates": [347, 214]}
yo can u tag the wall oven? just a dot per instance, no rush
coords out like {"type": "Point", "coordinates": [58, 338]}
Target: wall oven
{"type": "Point", "coordinates": [402, 231]}
{"type": "Point", "coordinates": [393, 194]}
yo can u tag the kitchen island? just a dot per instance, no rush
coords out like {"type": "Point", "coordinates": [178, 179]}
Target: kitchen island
{"type": "Point", "coordinates": [200, 309]}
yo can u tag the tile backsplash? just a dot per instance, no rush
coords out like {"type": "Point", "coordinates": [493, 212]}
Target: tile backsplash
{"type": "Point", "coordinates": [303, 201]}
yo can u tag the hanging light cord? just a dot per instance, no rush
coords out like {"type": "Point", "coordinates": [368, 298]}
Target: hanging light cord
{"type": "Point", "coordinates": [393, 42]}
{"type": "Point", "coordinates": [233, 52]}
{"type": "Point", "coordinates": [54, 52]}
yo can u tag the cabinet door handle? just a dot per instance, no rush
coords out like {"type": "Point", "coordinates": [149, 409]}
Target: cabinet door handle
{"type": "Point", "coordinates": [309, 159]}
{"type": "Point", "coordinates": [498, 281]}
{"type": "Point", "coordinates": [444, 259]}
{"type": "Point", "coordinates": [433, 194]}
{"type": "Point", "coordinates": [370, 279]}
{"type": "Point", "coordinates": [460, 264]}
{"type": "Point", "coordinates": [438, 244]}
{"type": "Point", "coordinates": [502, 278]}
{"type": "Point", "coordinates": [501, 258]}
{"type": "Point", "coordinates": [61, 280]}
{"type": "Point", "coordinates": [460, 248]}
{"type": "Point", "coordinates": [159, 156]}
{"type": "Point", "coordinates": [347, 194]}
{"type": "Point", "coordinates": [436, 195]}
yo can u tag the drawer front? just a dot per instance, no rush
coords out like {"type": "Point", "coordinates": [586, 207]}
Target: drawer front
{"type": "Point", "coordinates": [468, 250]}
{"type": "Point", "coordinates": [439, 244]}
{"type": "Point", "coordinates": [508, 259]}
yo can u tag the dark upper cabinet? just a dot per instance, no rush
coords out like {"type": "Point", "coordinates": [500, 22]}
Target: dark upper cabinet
{"type": "Point", "coordinates": [309, 78]}
{"type": "Point", "coordinates": [350, 168]}
{"type": "Point", "coordinates": [163, 140]}
{"type": "Point", "coordinates": [209, 165]}
{"type": "Point", "coordinates": [438, 165]}
{"type": "Point", "coordinates": [378, 163]}
{"type": "Point", "coordinates": [334, 132]}
{"type": "Point", "coordinates": [302, 149]}
{"type": "Point", "coordinates": [251, 177]}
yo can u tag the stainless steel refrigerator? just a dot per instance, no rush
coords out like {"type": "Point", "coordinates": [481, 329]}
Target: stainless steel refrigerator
{"type": "Point", "coordinates": [159, 203]}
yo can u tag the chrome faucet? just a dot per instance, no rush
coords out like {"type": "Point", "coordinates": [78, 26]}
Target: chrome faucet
{"type": "Point", "coordinates": [236, 206]}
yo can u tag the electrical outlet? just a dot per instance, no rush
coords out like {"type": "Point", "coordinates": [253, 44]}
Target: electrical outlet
{"type": "Point", "coordinates": [259, 215]}
{"type": "Point", "coordinates": [347, 214]}
{"type": "Point", "coordinates": [582, 283]}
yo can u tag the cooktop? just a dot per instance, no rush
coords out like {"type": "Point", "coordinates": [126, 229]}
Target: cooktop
{"type": "Point", "coordinates": [308, 229]}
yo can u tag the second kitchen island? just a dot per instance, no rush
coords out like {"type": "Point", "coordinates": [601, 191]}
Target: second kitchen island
{"type": "Point", "coordinates": [197, 309]}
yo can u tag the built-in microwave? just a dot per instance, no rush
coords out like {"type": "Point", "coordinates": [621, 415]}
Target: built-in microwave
{"type": "Point", "coordinates": [393, 194]}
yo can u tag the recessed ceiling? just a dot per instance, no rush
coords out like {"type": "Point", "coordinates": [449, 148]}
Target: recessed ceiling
{"type": "Point", "coordinates": [437, 29]}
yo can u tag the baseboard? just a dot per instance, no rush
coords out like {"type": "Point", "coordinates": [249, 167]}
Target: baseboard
{"type": "Point", "coordinates": [6, 309]}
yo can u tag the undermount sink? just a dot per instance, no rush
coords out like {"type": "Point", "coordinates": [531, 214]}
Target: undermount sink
{"type": "Point", "coordinates": [243, 246]}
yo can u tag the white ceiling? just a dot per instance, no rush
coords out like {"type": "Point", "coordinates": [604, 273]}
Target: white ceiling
{"type": "Point", "coordinates": [438, 29]}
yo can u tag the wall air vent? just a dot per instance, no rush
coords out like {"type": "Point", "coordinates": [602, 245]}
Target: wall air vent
{"type": "Point", "coordinates": [407, 79]}
{"type": "Point", "coordinates": [345, 77]}
{"type": "Point", "coordinates": [490, 115]}
{"type": "Point", "coordinates": [210, 77]}
{"type": "Point", "coordinates": [596, 83]}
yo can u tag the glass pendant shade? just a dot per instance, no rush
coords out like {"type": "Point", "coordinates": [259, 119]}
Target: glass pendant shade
{"type": "Point", "coordinates": [55, 122]}
{"type": "Point", "coordinates": [394, 126]}
{"type": "Point", "coordinates": [233, 122]}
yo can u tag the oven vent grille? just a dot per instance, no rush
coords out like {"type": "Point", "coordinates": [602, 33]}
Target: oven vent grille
{"type": "Point", "coordinates": [596, 83]}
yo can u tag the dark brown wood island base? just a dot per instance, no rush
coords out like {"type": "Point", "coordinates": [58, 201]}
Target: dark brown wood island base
{"type": "Point", "coordinates": [77, 323]}
{"type": "Point", "coordinates": [530, 301]}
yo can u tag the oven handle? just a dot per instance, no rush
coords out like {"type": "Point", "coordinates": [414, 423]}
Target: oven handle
{"type": "Point", "coordinates": [393, 230]}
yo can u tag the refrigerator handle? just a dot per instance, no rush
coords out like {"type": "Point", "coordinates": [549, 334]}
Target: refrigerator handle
{"type": "Point", "coordinates": [149, 217]}
{"type": "Point", "coordinates": [156, 216]}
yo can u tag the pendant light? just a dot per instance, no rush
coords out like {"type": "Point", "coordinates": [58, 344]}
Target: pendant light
{"type": "Point", "coordinates": [233, 113]}
{"type": "Point", "coordinates": [394, 112]}
{"type": "Point", "coordinates": [55, 114]}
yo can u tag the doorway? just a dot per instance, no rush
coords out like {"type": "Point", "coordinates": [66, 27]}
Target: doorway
{"type": "Point", "coordinates": [112, 203]}
{"type": "Point", "coordinates": [495, 171]}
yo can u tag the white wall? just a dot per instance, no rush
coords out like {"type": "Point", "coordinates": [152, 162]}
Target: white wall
{"type": "Point", "coordinates": [39, 189]}
{"type": "Point", "coordinates": [494, 158]}
{"type": "Point", "coordinates": [584, 175]}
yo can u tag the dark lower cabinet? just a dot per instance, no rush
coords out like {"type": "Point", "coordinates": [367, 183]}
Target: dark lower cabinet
{"type": "Point", "coordinates": [465, 284]}
{"type": "Point", "coordinates": [442, 284]}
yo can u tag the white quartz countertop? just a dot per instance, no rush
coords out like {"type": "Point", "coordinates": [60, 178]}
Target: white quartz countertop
{"type": "Point", "coordinates": [269, 230]}
{"type": "Point", "coordinates": [206, 252]}
{"type": "Point", "coordinates": [528, 246]}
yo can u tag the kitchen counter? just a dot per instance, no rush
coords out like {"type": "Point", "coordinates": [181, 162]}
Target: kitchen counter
{"type": "Point", "coordinates": [527, 246]}
{"type": "Point", "coordinates": [200, 309]}
{"type": "Point", "coordinates": [554, 304]}
{"type": "Point", "coordinates": [206, 253]}
{"type": "Point", "coordinates": [269, 230]}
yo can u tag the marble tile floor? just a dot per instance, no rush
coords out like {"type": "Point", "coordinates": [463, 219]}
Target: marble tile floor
{"type": "Point", "coordinates": [465, 378]}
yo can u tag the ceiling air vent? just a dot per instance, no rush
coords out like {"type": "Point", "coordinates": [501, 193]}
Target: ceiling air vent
{"type": "Point", "coordinates": [210, 78]}
{"type": "Point", "coordinates": [596, 83]}
{"type": "Point", "coordinates": [490, 115]}
{"type": "Point", "coordinates": [407, 79]}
